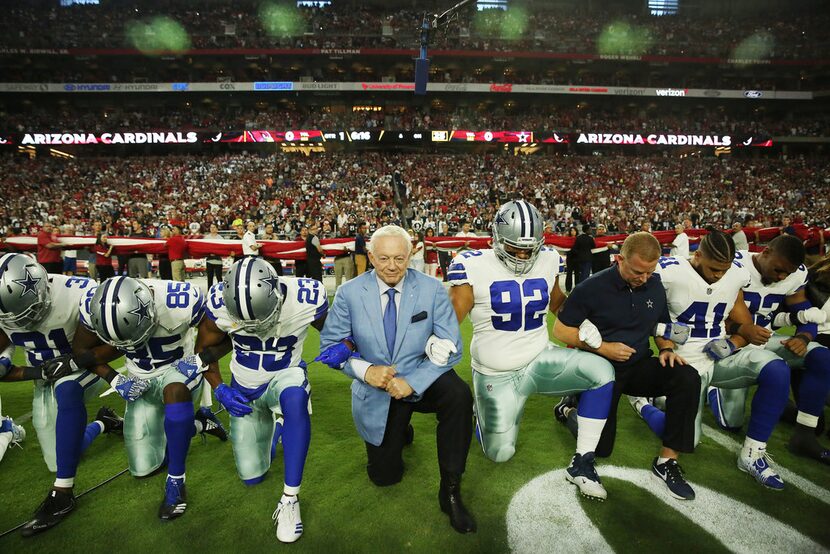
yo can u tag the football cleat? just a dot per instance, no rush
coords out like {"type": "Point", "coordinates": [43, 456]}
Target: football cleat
{"type": "Point", "coordinates": [174, 502]}
{"type": "Point", "coordinates": [112, 422]}
{"type": "Point", "coordinates": [7, 425]}
{"type": "Point", "coordinates": [563, 407]}
{"type": "Point", "coordinates": [211, 424]}
{"type": "Point", "coordinates": [670, 473]}
{"type": "Point", "coordinates": [757, 464]}
{"type": "Point", "coordinates": [582, 473]}
{"type": "Point", "coordinates": [51, 511]}
{"type": "Point", "coordinates": [287, 519]}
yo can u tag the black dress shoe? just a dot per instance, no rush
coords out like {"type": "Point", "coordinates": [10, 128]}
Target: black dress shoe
{"type": "Point", "coordinates": [449, 497]}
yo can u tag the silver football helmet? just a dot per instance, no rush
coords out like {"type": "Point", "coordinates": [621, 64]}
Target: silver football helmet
{"type": "Point", "coordinates": [518, 225]}
{"type": "Point", "coordinates": [25, 300]}
{"type": "Point", "coordinates": [253, 295]}
{"type": "Point", "coordinates": [123, 313]}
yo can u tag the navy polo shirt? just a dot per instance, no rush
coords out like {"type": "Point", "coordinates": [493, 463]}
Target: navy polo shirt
{"type": "Point", "coordinates": [620, 313]}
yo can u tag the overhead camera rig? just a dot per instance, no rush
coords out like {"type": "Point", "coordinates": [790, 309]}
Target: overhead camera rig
{"type": "Point", "coordinates": [431, 22]}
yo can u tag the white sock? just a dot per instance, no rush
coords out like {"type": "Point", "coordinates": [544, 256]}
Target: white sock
{"type": "Point", "coordinates": [101, 425]}
{"type": "Point", "coordinates": [662, 460]}
{"type": "Point", "coordinates": [5, 440]}
{"type": "Point", "coordinates": [290, 491]}
{"type": "Point", "coordinates": [752, 447]}
{"type": "Point", "coordinates": [590, 430]}
{"type": "Point", "coordinates": [66, 483]}
{"type": "Point", "coordinates": [807, 420]}
{"type": "Point", "coordinates": [176, 476]}
{"type": "Point", "coordinates": [199, 426]}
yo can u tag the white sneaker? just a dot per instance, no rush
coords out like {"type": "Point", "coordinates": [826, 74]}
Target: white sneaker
{"type": "Point", "coordinates": [582, 473]}
{"type": "Point", "coordinates": [757, 463]}
{"type": "Point", "coordinates": [287, 519]}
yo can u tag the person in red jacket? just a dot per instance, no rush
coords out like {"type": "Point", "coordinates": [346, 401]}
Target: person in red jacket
{"type": "Point", "coordinates": [176, 247]}
{"type": "Point", "coordinates": [49, 250]}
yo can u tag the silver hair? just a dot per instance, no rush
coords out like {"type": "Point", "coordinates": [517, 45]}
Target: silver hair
{"type": "Point", "coordinates": [391, 231]}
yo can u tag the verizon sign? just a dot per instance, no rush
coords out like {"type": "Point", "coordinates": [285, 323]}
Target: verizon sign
{"type": "Point", "coordinates": [671, 91]}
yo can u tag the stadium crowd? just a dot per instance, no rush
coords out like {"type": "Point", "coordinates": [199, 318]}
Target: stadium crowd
{"type": "Point", "coordinates": [340, 189]}
{"type": "Point", "coordinates": [342, 25]}
{"type": "Point", "coordinates": [548, 117]}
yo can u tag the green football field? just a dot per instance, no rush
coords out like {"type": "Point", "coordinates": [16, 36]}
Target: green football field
{"type": "Point", "coordinates": [343, 512]}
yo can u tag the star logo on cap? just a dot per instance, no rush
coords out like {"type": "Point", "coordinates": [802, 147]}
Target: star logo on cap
{"type": "Point", "coordinates": [29, 284]}
{"type": "Point", "coordinates": [273, 282]}
{"type": "Point", "coordinates": [649, 303]}
{"type": "Point", "coordinates": [500, 219]}
{"type": "Point", "coordinates": [142, 311]}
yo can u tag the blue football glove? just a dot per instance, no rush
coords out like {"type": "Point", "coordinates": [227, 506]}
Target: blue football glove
{"type": "Point", "coordinates": [129, 389]}
{"type": "Point", "coordinates": [190, 366]}
{"type": "Point", "coordinates": [719, 349]}
{"type": "Point", "coordinates": [335, 355]}
{"type": "Point", "coordinates": [233, 400]}
{"type": "Point", "coordinates": [676, 332]}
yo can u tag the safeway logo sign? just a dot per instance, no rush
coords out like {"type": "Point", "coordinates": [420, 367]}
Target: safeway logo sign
{"type": "Point", "coordinates": [507, 87]}
{"type": "Point", "coordinates": [671, 91]}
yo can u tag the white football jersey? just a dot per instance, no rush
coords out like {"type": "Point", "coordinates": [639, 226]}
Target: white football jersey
{"type": "Point", "coordinates": [179, 308]}
{"type": "Point", "coordinates": [256, 359]}
{"type": "Point", "coordinates": [508, 316]}
{"type": "Point", "coordinates": [764, 300]}
{"type": "Point", "coordinates": [702, 306]}
{"type": "Point", "coordinates": [54, 334]}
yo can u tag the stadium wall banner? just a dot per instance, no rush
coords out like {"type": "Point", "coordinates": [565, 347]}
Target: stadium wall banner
{"type": "Point", "coordinates": [410, 53]}
{"type": "Point", "coordinates": [490, 88]}
{"type": "Point", "coordinates": [318, 137]}
{"type": "Point", "coordinates": [295, 250]}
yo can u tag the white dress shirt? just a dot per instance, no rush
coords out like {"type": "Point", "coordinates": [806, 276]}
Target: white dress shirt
{"type": "Point", "coordinates": [359, 365]}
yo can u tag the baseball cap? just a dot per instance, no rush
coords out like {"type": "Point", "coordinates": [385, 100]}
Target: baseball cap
{"type": "Point", "coordinates": [237, 221]}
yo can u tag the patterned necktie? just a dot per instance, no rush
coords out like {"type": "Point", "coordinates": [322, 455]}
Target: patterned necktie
{"type": "Point", "coordinates": [390, 321]}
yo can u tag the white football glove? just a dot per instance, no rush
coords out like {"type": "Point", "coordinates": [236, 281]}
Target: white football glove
{"type": "Point", "coordinates": [803, 317]}
{"type": "Point", "coordinates": [589, 334]}
{"type": "Point", "coordinates": [438, 350]}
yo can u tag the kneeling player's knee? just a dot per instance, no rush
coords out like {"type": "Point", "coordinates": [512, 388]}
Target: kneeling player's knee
{"type": "Point", "coordinates": [688, 377]}
{"type": "Point", "coordinates": [255, 480]}
{"type": "Point", "coordinates": [386, 477]}
{"type": "Point", "coordinates": [775, 373]}
{"type": "Point", "coordinates": [500, 453]}
{"type": "Point", "coordinates": [294, 401]}
{"type": "Point", "coordinates": [176, 392]}
{"type": "Point", "coordinates": [817, 362]}
{"type": "Point", "coordinates": [69, 394]}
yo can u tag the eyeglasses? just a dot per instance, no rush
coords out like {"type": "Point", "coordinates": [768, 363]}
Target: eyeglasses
{"type": "Point", "coordinates": [397, 260]}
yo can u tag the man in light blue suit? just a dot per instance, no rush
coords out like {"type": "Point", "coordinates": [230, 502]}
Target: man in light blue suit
{"type": "Point", "coordinates": [404, 328]}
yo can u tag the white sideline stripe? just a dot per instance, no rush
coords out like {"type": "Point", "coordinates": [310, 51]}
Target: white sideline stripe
{"type": "Point", "coordinates": [23, 419]}
{"type": "Point", "coordinates": [790, 478]}
{"type": "Point", "coordinates": [550, 499]}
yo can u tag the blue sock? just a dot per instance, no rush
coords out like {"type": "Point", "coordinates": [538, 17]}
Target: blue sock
{"type": "Point", "coordinates": [815, 383]}
{"type": "Point", "coordinates": [596, 403]}
{"type": "Point", "coordinates": [179, 429]}
{"type": "Point", "coordinates": [770, 400]}
{"type": "Point", "coordinates": [92, 431]}
{"type": "Point", "coordinates": [276, 439]}
{"type": "Point", "coordinates": [69, 428]}
{"type": "Point", "coordinates": [296, 433]}
{"type": "Point", "coordinates": [655, 418]}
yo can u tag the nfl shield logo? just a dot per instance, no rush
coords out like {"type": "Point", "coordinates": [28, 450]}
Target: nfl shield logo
{"type": "Point", "coordinates": [489, 387]}
{"type": "Point", "coordinates": [709, 290]}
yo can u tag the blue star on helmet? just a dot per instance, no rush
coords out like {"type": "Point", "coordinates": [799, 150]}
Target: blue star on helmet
{"type": "Point", "coordinates": [29, 283]}
{"type": "Point", "coordinates": [142, 311]}
{"type": "Point", "coordinates": [500, 219]}
{"type": "Point", "coordinates": [273, 282]}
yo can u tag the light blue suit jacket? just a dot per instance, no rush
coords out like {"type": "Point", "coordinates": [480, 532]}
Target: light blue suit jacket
{"type": "Point", "coordinates": [356, 312]}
